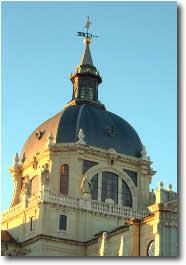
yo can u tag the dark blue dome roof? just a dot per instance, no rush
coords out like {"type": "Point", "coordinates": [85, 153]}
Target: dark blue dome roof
{"type": "Point", "coordinates": [102, 129]}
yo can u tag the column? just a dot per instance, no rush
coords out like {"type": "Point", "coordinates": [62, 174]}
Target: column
{"type": "Point", "coordinates": [119, 190]}
{"type": "Point", "coordinates": [99, 185]}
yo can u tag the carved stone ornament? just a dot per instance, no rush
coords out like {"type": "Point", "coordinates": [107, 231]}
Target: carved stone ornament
{"type": "Point", "coordinates": [85, 185]}
{"type": "Point", "coordinates": [111, 160]}
{"type": "Point", "coordinates": [110, 201]}
{"type": "Point", "coordinates": [110, 131]}
{"type": "Point", "coordinates": [50, 138]}
{"type": "Point", "coordinates": [81, 137]}
{"type": "Point", "coordinates": [25, 187]}
{"type": "Point", "coordinates": [150, 171]}
{"type": "Point", "coordinates": [39, 134]}
{"type": "Point", "coordinates": [45, 174]}
{"type": "Point", "coordinates": [144, 152]}
{"type": "Point", "coordinates": [112, 154]}
{"type": "Point", "coordinates": [169, 187]}
{"type": "Point", "coordinates": [34, 162]}
{"type": "Point", "coordinates": [160, 185]}
{"type": "Point", "coordinates": [23, 158]}
{"type": "Point", "coordinates": [112, 151]}
{"type": "Point", "coordinates": [16, 160]}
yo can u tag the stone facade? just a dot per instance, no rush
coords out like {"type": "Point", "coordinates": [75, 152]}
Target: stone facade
{"type": "Point", "coordinates": [94, 227]}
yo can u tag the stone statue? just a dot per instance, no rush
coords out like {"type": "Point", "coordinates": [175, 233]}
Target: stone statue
{"type": "Point", "coordinates": [160, 185]}
{"type": "Point", "coordinates": [169, 187]}
{"type": "Point", "coordinates": [23, 158]}
{"type": "Point", "coordinates": [144, 154]}
{"type": "Point", "coordinates": [86, 185]}
{"type": "Point", "coordinates": [45, 174]}
{"type": "Point", "coordinates": [81, 137]}
{"type": "Point", "coordinates": [34, 161]}
{"type": "Point", "coordinates": [25, 186]}
{"type": "Point", "coordinates": [50, 138]}
{"type": "Point", "coordinates": [16, 160]}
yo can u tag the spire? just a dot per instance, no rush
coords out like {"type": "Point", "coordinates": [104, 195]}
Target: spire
{"type": "Point", "coordinates": [86, 56]}
{"type": "Point", "coordinates": [86, 62]}
{"type": "Point", "coordinates": [86, 79]}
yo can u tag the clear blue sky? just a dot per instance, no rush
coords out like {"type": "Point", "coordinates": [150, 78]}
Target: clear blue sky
{"type": "Point", "coordinates": [136, 54]}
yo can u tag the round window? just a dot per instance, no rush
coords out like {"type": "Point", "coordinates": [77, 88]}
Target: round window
{"type": "Point", "coordinates": [151, 248]}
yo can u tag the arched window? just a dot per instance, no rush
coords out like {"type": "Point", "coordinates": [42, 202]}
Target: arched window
{"type": "Point", "coordinates": [126, 195]}
{"type": "Point", "coordinates": [151, 248]}
{"type": "Point", "coordinates": [64, 176]}
{"type": "Point", "coordinates": [94, 187]}
{"type": "Point", "coordinates": [34, 185]}
{"type": "Point", "coordinates": [109, 186]}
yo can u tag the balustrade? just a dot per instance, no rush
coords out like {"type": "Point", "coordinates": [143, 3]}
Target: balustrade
{"type": "Point", "coordinates": [81, 203]}
{"type": "Point", "coordinates": [12, 211]}
{"type": "Point", "coordinates": [116, 210]}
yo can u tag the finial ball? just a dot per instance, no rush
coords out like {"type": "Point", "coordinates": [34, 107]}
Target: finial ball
{"type": "Point", "coordinates": [160, 184]}
{"type": "Point", "coordinates": [87, 41]}
{"type": "Point", "coordinates": [169, 187]}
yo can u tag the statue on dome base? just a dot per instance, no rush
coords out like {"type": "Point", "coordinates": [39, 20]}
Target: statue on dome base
{"type": "Point", "coordinates": [81, 137]}
{"type": "Point", "coordinates": [85, 185]}
{"type": "Point", "coordinates": [45, 174]}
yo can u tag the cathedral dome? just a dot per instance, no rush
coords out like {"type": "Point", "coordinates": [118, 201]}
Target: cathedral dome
{"type": "Point", "coordinates": [101, 128]}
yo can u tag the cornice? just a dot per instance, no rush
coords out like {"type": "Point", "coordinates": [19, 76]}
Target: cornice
{"type": "Point", "coordinates": [170, 206]}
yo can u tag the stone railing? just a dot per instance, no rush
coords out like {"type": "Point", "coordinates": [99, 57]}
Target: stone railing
{"type": "Point", "coordinates": [65, 200]}
{"type": "Point", "coordinates": [116, 210]}
{"type": "Point", "coordinates": [96, 206]}
{"type": "Point", "coordinates": [76, 203]}
{"type": "Point", "coordinates": [172, 196]}
{"type": "Point", "coordinates": [34, 200]}
{"type": "Point", "coordinates": [12, 211]}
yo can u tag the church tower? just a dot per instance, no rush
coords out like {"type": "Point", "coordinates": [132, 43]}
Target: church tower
{"type": "Point", "coordinates": [86, 79]}
{"type": "Point", "coordinates": [82, 174]}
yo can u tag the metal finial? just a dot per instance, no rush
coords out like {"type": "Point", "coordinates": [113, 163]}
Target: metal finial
{"type": "Point", "coordinates": [88, 36]}
{"type": "Point", "coordinates": [88, 24]}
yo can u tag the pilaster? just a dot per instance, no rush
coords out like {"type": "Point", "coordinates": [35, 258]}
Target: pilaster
{"type": "Point", "coordinates": [134, 235]}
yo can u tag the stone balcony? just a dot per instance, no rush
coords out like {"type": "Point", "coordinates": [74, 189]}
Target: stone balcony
{"type": "Point", "coordinates": [95, 207]}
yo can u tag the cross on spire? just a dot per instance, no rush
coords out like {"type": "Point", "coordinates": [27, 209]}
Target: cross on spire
{"type": "Point", "coordinates": [86, 34]}
{"type": "Point", "coordinates": [88, 24]}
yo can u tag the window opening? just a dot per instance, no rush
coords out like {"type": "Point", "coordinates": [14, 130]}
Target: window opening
{"type": "Point", "coordinates": [109, 186]}
{"type": "Point", "coordinates": [151, 248]}
{"type": "Point", "coordinates": [126, 195]}
{"type": "Point", "coordinates": [64, 179]}
{"type": "Point", "coordinates": [32, 219]}
{"type": "Point", "coordinates": [94, 187]}
{"type": "Point", "coordinates": [34, 185]}
{"type": "Point", "coordinates": [63, 222]}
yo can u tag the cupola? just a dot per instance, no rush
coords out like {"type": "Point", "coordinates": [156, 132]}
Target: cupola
{"type": "Point", "coordinates": [86, 79]}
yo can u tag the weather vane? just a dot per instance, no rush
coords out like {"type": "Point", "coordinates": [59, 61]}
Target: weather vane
{"type": "Point", "coordinates": [86, 34]}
